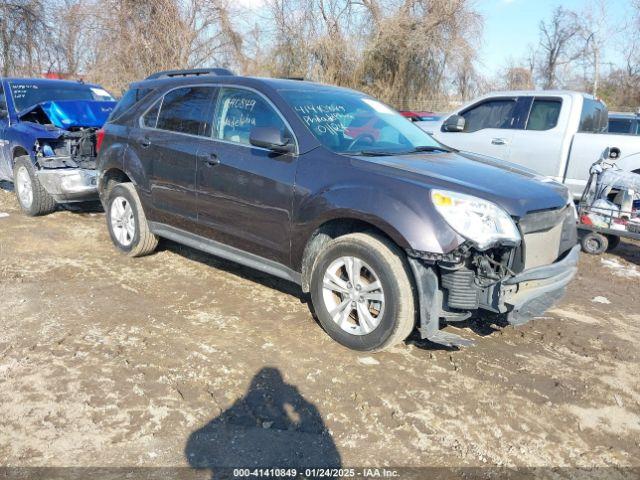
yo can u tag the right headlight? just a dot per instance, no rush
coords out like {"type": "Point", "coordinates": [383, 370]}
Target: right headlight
{"type": "Point", "coordinates": [478, 220]}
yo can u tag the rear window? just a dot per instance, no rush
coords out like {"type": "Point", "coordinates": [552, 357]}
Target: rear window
{"type": "Point", "coordinates": [620, 125]}
{"type": "Point", "coordinates": [544, 114]}
{"type": "Point", "coordinates": [128, 100]}
{"type": "Point", "coordinates": [594, 118]}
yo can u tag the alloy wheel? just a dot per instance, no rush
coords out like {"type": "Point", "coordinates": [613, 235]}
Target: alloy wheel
{"type": "Point", "coordinates": [353, 295]}
{"type": "Point", "coordinates": [24, 187]}
{"type": "Point", "coordinates": [122, 221]}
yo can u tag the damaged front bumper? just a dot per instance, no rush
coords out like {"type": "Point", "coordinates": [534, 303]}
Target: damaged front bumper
{"type": "Point", "coordinates": [69, 184]}
{"type": "Point", "coordinates": [519, 297]}
{"type": "Point", "coordinates": [532, 292]}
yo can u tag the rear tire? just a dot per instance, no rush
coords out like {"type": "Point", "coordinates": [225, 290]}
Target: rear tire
{"type": "Point", "coordinates": [362, 292]}
{"type": "Point", "coordinates": [594, 243]}
{"type": "Point", "coordinates": [127, 222]}
{"type": "Point", "coordinates": [33, 199]}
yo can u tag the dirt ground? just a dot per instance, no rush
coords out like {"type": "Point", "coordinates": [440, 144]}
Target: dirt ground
{"type": "Point", "coordinates": [180, 358]}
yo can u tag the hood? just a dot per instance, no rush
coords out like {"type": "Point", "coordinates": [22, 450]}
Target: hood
{"type": "Point", "coordinates": [66, 114]}
{"type": "Point", "coordinates": [517, 190]}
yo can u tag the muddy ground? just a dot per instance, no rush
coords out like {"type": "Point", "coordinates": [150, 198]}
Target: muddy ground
{"type": "Point", "coordinates": [180, 358]}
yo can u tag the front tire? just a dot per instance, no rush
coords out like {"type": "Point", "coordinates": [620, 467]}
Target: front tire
{"type": "Point", "coordinates": [362, 292]}
{"type": "Point", "coordinates": [33, 199]}
{"type": "Point", "coordinates": [127, 222]}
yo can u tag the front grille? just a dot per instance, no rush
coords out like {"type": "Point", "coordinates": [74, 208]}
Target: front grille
{"type": "Point", "coordinates": [546, 236]}
{"type": "Point", "coordinates": [541, 221]}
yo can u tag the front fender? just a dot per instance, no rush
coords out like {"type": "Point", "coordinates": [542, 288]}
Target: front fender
{"type": "Point", "coordinates": [403, 214]}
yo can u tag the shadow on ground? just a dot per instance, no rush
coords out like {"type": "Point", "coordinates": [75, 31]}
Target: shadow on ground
{"type": "Point", "coordinates": [628, 251]}
{"type": "Point", "coordinates": [6, 186]}
{"type": "Point", "coordinates": [92, 206]}
{"type": "Point", "coordinates": [271, 426]}
{"type": "Point", "coordinates": [233, 268]}
{"type": "Point", "coordinates": [482, 326]}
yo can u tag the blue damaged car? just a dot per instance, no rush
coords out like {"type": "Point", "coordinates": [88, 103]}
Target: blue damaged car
{"type": "Point", "coordinates": [49, 139]}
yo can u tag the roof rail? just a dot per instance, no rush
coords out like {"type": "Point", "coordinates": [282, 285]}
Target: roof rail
{"type": "Point", "coordinates": [189, 72]}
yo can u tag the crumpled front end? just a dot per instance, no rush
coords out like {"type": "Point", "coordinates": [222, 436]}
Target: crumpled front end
{"type": "Point", "coordinates": [66, 165]}
{"type": "Point", "coordinates": [65, 150]}
{"type": "Point", "coordinates": [518, 282]}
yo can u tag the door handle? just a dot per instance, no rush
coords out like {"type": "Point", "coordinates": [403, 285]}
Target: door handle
{"type": "Point", "coordinates": [144, 142]}
{"type": "Point", "coordinates": [498, 141]}
{"type": "Point", "coordinates": [210, 160]}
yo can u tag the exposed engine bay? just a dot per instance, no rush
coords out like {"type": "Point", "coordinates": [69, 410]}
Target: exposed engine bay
{"type": "Point", "coordinates": [70, 126]}
{"type": "Point", "coordinates": [73, 149]}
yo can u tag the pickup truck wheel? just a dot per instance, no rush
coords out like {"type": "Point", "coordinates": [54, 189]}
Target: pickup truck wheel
{"type": "Point", "coordinates": [594, 243]}
{"type": "Point", "coordinates": [362, 292]}
{"type": "Point", "coordinates": [33, 199]}
{"type": "Point", "coordinates": [127, 222]}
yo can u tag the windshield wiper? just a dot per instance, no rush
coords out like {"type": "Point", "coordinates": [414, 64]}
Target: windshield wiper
{"type": "Point", "coordinates": [372, 153]}
{"type": "Point", "coordinates": [427, 148]}
{"type": "Point", "coordinates": [388, 153]}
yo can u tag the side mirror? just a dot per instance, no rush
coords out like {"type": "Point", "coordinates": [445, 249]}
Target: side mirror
{"type": "Point", "coordinates": [614, 153]}
{"type": "Point", "coordinates": [272, 139]}
{"type": "Point", "coordinates": [455, 123]}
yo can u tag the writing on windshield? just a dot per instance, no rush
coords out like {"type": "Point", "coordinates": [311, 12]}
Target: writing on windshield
{"type": "Point", "coordinates": [345, 121]}
{"type": "Point", "coordinates": [26, 94]}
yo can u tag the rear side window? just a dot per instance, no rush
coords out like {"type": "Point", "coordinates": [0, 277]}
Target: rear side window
{"type": "Point", "coordinates": [186, 110]}
{"type": "Point", "coordinates": [544, 114]}
{"type": "Point", "coordinates": [594, 118]}
{"type": "Point", "coordinates": [150, 118]}
{"type": "Point", "coordinates": [620, 125]}
{"type": "Point", "coordinates": [490, 114]}
{"type": "Point", "coordinates": [129, 99]}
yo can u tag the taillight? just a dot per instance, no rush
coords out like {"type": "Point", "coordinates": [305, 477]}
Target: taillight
{"type": "Point", "coordinates": [99, 139]}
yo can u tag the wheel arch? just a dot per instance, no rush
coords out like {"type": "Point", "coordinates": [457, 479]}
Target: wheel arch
{"type": "Point", "coordinates": [18, 151]}
{"type": "Point", "coordinates": [337, 227]}
{"type": "Point", "coordinates": [108, 179]}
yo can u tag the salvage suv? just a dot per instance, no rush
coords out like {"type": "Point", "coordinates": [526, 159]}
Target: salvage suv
{"type": "Point", "coordinates": [387, 230]}
{"type": "Point", "coordinates": [48, 140]}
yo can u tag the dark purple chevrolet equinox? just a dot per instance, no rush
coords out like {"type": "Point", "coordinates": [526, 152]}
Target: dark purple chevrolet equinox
{"type": "Point", "coordinates": [329, 188]}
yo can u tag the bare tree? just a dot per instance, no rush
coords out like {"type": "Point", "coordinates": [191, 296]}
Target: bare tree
{"type": "Point", "coordinates": [410, 54]}
{"type": "Point", "coordinates": [21, 29]}
{"type": "Point", "coordinates": [557, 45]}
{"type": "Point", "coordinates": [518, 78]}
{"type": "Point", "coordinates": [593, 33]}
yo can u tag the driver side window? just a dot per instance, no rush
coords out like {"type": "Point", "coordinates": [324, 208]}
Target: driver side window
{"type": "Point", "coordinates": [238, 111]}
{"type": "Point", "coordinates": [490, 114]}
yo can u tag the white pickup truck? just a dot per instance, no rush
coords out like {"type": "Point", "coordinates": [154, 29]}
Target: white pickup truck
{"type": "Point", "coordinates": [558, 134]}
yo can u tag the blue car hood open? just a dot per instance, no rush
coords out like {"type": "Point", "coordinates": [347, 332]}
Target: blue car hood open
{"type": "Point", "coordinates": [67, 114]}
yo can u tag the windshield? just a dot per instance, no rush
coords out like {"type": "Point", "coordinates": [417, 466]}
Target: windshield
{"type": "Point", "coordinates": [26, 94]}
{"type": "Point", "coordinates": [350, 122]}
